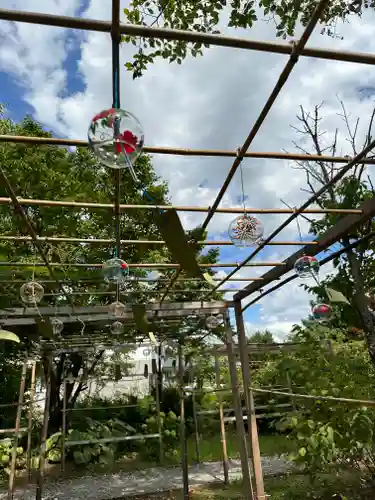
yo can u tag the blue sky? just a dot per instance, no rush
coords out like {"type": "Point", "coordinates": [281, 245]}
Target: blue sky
{"type": "Point", "coordinates": [63, 78]}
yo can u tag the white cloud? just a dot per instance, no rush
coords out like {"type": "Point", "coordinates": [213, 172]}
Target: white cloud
{"type": "Point", "coordinates": [210, 102]}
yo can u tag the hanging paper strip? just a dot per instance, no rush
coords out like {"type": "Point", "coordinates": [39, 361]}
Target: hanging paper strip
{"type": "Point", "coordinates": [335, 296]}
{"type": "Point", "coordinates": [140, 317]}
{"type": "Point", "coordinates": [177, 242]}
{"type": "Point", "coordinates": [5, 335]}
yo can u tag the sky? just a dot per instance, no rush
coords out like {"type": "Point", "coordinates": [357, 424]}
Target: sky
{"type": "Point", "coordinates": [63, 78]}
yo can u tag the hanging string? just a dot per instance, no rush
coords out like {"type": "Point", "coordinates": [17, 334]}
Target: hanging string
{"type": "Point", "coordinates": [243, 190]}
{"type": "Point", "coordinates": [298, 226]}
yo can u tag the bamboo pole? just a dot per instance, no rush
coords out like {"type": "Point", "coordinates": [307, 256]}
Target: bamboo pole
{"type": "Point", "coordinates": [136, 266]}
{"type": "Point", "coordinates": [159, 421]}
{"type": "Point", "coordinates": [30, 420]}
{"type": "Point", "coordinates": [289, 382]}
{"type": "Point", "coordinates": [119, 439]}
{"type": "Point", "coordinates": [178, 208]}
{"type": "Point", "coordinates": [141, 280]}
{"type": "Point", "coordinates": [250, 407]}
{"type": "Point", "coordinates": [55, 141]}
{"type": "Point", "coordinates": [196, 428]}
{"type": "Point", "coordinates": [16, 432]}
{"type": "Point", "coordinates": [246, 476]}
{"type": "Point", "coordinates": [63, 428]}
{"type": "Point", "coordinates": [357, 402]}
{"type": "Point", "coordinates": [183, 443]}
{"type": "Point", "coordinates": [222, 424]}
{"type": "Point", "coordinates": [110, 241]}
{"type": "Point", "coordinates": [182, 35]}
{"type": "Point", "coordinates": [42, 457]}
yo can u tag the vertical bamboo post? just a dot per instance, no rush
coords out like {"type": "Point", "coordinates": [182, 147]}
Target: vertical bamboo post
{"type": "Point", "coordinates": [197, 439]}
{"type": "Point", "coordinates": [250, 407]}
{"type": "Point", "coordinates": [289, 382]}
{"type": "Point", "coordinates": [63, 426]}
{"type": "Point", "coordinates": [222, 424]}
{"type": "Point", "coordinates": [160, 425]}
{"type": "Point", "coordinates": [246, 476]}
{"type": "Point", "coordinates": [42, 458]}
{"type": "Point", "coordinates": [30, 420]}
{"type": "Point", "coordinates": [16, 431]}
{"type": "Point", "coordinates": [184, 458]}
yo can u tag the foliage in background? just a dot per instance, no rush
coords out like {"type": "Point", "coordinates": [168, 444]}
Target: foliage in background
{"type": "Point", "coordinates": [327, 432]}
{"type": "Point", "coordinates": [210, 17]}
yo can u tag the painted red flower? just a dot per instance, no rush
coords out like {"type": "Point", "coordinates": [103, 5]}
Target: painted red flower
{"type": "Point", "coordinates": [128, 141]}
{"type": "Point", "coordinates": [103, 114]}
{"type": "Point", "coordinates": [124, 265]}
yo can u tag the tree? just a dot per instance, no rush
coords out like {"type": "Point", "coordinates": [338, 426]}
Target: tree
{"type": "Point", "coordinates": [259, 337]}
{"type": "Point", "coordinates": [354, 272]}
{"type": "Point", "coordinates": [55, 173]}
{"type": "Point", "coordinates": [204, 17]}
{"type": "Point", "coordinates": [327, 432]}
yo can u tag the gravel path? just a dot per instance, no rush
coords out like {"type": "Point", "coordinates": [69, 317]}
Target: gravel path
{"type": "Point", "coordinates": [107, 486]}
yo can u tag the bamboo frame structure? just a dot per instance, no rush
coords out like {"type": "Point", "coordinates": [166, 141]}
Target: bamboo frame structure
{"type": "Point", "coordinates": [253, 490]}
{"type": "Point", "coordinates": [16, 431]}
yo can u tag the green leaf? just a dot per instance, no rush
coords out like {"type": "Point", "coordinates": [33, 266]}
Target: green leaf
{"type": "Point", "coordinates": [302, 451]}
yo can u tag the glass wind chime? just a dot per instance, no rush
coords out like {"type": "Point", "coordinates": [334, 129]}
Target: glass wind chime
{"type": "Point", "coordinates": [308, 266]}
{"type": "Point", "coordinates": [116, 137]}
{"type": "Point", "coordinates": [245, 230]}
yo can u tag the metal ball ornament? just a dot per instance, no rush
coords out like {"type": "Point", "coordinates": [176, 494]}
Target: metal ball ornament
{"type": "Point", "coordinates": [245, 231]}
{"type": "Point", "coordinates": [116, 137]}
{"type": "Point", "coordinates": [115, 270]}
{"type": "Point", "coordinates": [306, 266]}
{"type": "Point", "coordinates": [118, 309]}
{"type": "Point", "coordinates": [57, 326]}
{"type": "Point", "coordinates": [117, 328]}
{"type": "Point", "coordinates": [212, 322]}
{"type": "Point", "coordinates": [31, 292]}
{"type": "Point", "coordinates": [322, 312]}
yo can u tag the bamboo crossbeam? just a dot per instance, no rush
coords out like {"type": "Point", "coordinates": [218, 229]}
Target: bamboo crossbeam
{"type": "Point", "coordinates": [135, 266]}
{"type": "Point", "coordinates": [137, 437]}
{"type": "Point", "coordinates": [359, 402]}
{"type": "Point", "coordinates": [141, 280]}
{"type": "Point", "coordinates": [182, 35]}
{"type": "Point", "coordinates": [179, 208]}
{"type": "Point", "coordinates": [259, 407]}
{"type": "Point", "coordinates": [140, 292]}
{"type": "Point", "coordinates": [13, 431]}
{"type": "Point", "coordinates": [54, 141]}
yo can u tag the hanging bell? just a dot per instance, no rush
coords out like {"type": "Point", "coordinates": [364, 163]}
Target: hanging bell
{"type": "Point", "coordinates": [118, 375]}
{"type": "Point", "coordinates": [154, 366]}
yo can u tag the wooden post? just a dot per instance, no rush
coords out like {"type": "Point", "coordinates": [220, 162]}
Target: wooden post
{"type": "Point", "coordinates": [184, 458]}
{"type": "Point", "coordinates": [290, 389]}
{"type": "Point", "coordinates": [16, 431]}
{"type": "Point", "coordinates": [160, 425]}
{"type": "Point", "coordinates": [197, 439]}
{"type": "Point", "coordinates": [63, 426]}
{"type": "Point", "coordinates": [42, 459]}
{"type": "Point", "coordinates": [30, 420]}
{"type": "Point", "coordinates": [249, 400]}
{"type": "Point", "coordinates": [246, 476]}
{"type": "Point", "coordinates": [222, 424]}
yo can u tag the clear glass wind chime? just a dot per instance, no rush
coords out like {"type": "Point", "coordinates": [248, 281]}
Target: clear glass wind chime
{"type": "Point", "coordinates": [245, 230]}
{"type": "Point", "coordinates": [308, 266]}
{"type": "Point", "coordinates": [32, 292]}
{"type": "Point", "coordinates": [116, 137]}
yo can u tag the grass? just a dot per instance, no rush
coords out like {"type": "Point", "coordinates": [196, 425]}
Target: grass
{"type": "Point", "coordinates": [211, 449]}
{"type": "Point", "coordinates": [327, 486]}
